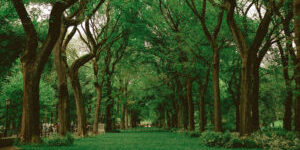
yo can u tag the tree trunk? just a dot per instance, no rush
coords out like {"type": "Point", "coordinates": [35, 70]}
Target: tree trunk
{"type": "Point", "coordinates": [202, 118]}
{"type": "Point", "coordinates": [33, 62]}
{"type": "Point", "coordinates": [190, 105]}
{"type": "Point", "coordinates": [202, 90]}
{"type": "Point", "coordinates": [63, 95]}
{"type": "Point", "coordinates": [246, 96]}
{"type": "Point", "coordinates": [297, 67]}
{"type": "Point", "coordinates": [179, 112]}
{"type": "Point", "coordinates": [98, 106]}
{"type": "Point", "coordinates": [109, 106]}
{"type": "Point", "coordinates": [255, 96]}
{"type": "Point", "coordinates": [80, 111]}
{"type": "Point", "coordinates": [287, 119]}
{"type": "Point", "coordinates": [126, 117]}
{"type": "Point", "coordinates": [216, 87]}
{"type": "Point", "coordinates": [122, 123]}
{"type": "Point", "coordinates": [30, 130]}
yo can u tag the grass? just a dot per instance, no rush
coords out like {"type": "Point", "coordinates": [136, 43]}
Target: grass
{"type": "Point", "coordinates": [131, 141]}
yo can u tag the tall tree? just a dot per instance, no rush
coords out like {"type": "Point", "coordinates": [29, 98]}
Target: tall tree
{"type": "Point", "coordinates": [60, 60]}
{"type": "Point", "coordinates": [33, 62]}
{"type": "Point", "coordinates": [297, 67]}
{"type": "Point", "coordinates": [249, 63]}
{"type": "Point", "coordinates": [212, 38]}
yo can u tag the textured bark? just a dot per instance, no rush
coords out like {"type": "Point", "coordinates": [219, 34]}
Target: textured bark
{"type": "Point", "coordinates": [63, 95]}
{"type": "Point", "coordinates": [109, 106]}
{"type": "Point", "coordinates": [179, 116]}
{"type": "Point", "coordinates": [202, 91]}
{"type": "Point", "coordinates": [174, 113]}
{"type": "Point", "coordinates": [126, 118]}
{"type": "Point", "coordinates": [99, 93]}
{"type": "Point", "coordinates": [287, 119]}
{"type": "Point", "coordinates": [235, 83]}
{"type": "Point", "coordinates": [297, 66]}
{"type": "Point", "coordinates": [255, 97]}
{"type": "Point", "coordinates": [212, 38]}
{"type": "Point", "coordinates": [98, 106]}
{"type": "Point", "coordinates": [190, 105]}
{"type": "Point", "coordinates": [80, 111]}
{"type": "Point", "coordinates": [216, 87]}
{"type": "Point", "coordinates": [122, 123]}
{"type": "Point", "coordinates": [33, 63]}
{"type": "Point", "coordinates": [248, 55]}
{"type": "Point", "coordinates": [184, 105]}
{"type": "Point", "coordinates": [30, 130]}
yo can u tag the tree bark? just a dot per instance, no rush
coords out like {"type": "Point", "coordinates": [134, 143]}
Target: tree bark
{"type": "Point", "coordinates": [99, 93]}
{"type": "Point", "coordinates": [109, 106]}
{"type": "Point", "coordinates": [216, 87]}
{"type": "Point", "coordinates": [98, 106]}
{"type": "Point", "coordinates": [122, 123]}
{"type": "Point", "coordinates": [33, 63]}
{"type": "Point", "coordinates": [60, 63]}
{"type": "Point", "coordinates": [255, 95]}
{"type": "Point", "coordinates": [190, 105]}
{"type": "Point", "coordinates": [126, 117]}
{"type": "Point", "coordinates": [248, 55]}
{"type": "Point", "coordinates": [202, 91]}
{"type": "Point", "coordinates": [80, 111]}
{"type": "Point", "coordinates": [287, 119]}
{"type": "Point", "coordinates": [297, 66]}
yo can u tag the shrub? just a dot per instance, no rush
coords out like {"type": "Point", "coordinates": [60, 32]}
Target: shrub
{"type": "Point", "coordinates": [194, 134]}
{"type": "Point", "coordinates": [266, 138]}
{"type": "Point", "coordinates": [56, 140]}
{"type": "Point", "coordinates": [213, 139]}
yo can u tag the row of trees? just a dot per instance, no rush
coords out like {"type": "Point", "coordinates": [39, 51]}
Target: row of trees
{"type": "Point", "coordinates": [152, 60]}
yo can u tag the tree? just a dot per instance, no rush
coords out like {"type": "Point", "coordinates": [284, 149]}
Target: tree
{"type": "Point", "coordinates": [216, 57]}
{"type": "Point", "coordinates": [296, 9]}
{"type": "Point", "coordinates": [249, 64]}
{"type": "Point", "coordinates": [33, 62]}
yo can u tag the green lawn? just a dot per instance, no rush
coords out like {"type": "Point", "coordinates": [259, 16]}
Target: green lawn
{"type": "Point", "coordinates": [132, 141]}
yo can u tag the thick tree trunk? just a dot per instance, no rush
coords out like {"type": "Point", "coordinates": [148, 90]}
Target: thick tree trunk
{"type": "Point", "coordinates": [30, 130]}
{"type": "Point", "coordinates": [179, 114]}
{"type": "Point", "coordinates": [98, 106]}
{"type": "Point", "coordinates": [190, 105]}
{"type": "Point", "coordinates": [184, 107]}
{"type": "Point", "coordinates": [126, 118]}
{"type": "Point", "coordinates": [246, 96]}
{"type": "Point", "coordinates": [33, 63]}
{"type": "Point", "coordinates": [216, 87]}
{"type": "Point", "coordinates": [109, 106]}
{"type": "Point", "coordinates": [63, 95]}
{"type": "Point", "coordinates": [287, 119]}
{"type": "Point", "coordinates": [80, 111]}
{"type": "Point", "coordinates": [122, 123]}
{"type": "Point", "coordinates": [297, 67]}
{"type": "Point", "coordinates": [237, 115]}
{"type": "Point", "coordinates": [202, 90]}
{"type": "Point", "coordinates": [174, 113]}
{"type": "Point", "coordinates": [255, 97]}
{"type": "Point", "coordinates": [202, 118]}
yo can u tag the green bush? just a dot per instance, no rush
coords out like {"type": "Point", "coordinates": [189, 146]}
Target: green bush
{"type": "Point", "coordinates": [276, 138]}
{"type": "Point", "coordinates": [56, 140]}
{"type": "Point", "coordinates": [194, 134]}
{"type": "Point", "coordinates": [214, 139]}
{"type": "Point", "coordinates": [266, 138]}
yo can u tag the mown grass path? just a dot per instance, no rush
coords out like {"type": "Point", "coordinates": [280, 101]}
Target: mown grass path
{"type": "Point", "coordinates": [132, 141]}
